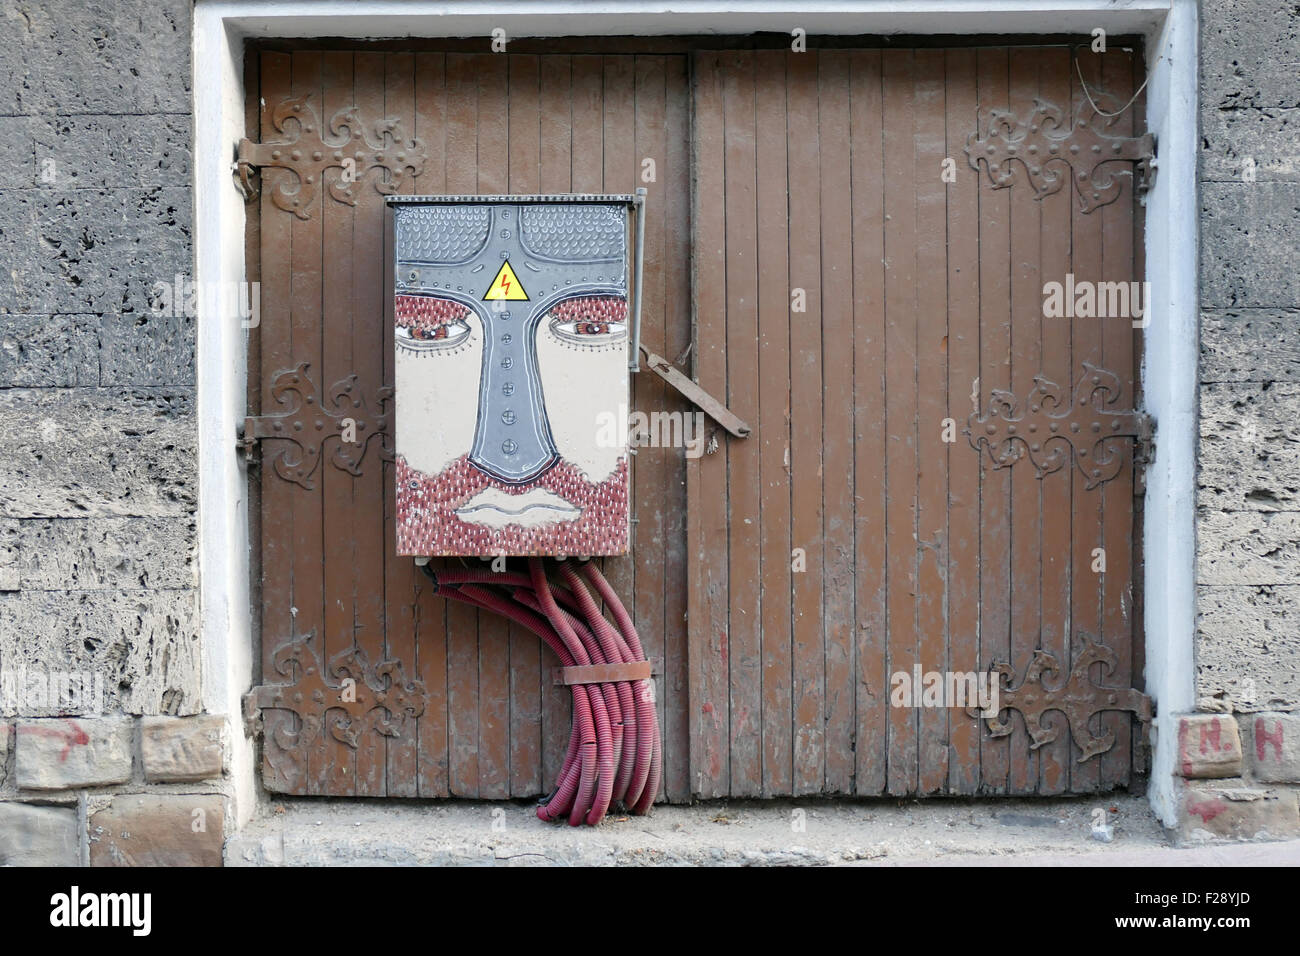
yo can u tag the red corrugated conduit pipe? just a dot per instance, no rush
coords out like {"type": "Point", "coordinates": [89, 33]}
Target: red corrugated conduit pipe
{"type": "Point", "coordinates": [614, 754]}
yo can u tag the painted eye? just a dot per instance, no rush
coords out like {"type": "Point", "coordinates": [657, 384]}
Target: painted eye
{"type": "Point", "coordinates": [589, 332]}
{"type": "Point", "coordinates": [421, 338]}
{"type": "Point", "coordinates": [590, 321]}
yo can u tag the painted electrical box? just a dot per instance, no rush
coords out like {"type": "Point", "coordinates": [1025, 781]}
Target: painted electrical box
{"type": "Point", "coordinates": [511, 334]}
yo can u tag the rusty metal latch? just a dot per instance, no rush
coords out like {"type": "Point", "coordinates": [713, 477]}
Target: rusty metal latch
{"type": "Point", "coordinates": [352, 697]}
{"type": "Point", "coordinates": [1056, 428]}
{"type": "Point", "coordinates": [1051, 150]}
{"type": "Point", "coordinates": [307, 423]}
{"type": "Point", "coordinates": [715, 409]}
{"type": "Point", "coordinates": [1078, 698]}
{"type": "Point", "coordinates": [353, 147]}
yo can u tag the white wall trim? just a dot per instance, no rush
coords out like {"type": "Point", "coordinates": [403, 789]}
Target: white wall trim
{"type": "Point", "coordinates": [1170, 365]}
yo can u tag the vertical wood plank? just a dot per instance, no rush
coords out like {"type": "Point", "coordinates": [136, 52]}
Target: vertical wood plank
{"type": "Point", "coordinates": [368, 332]}
{"type": "Point", "coordinates": [403, 581]}
{"type": "Point", "coordinates": [898, 72]}
{"type": "Point", "coordinates": [677, 342]}
{"type": "Point", "coordinates": [809, 677]}
{"type": "Point", "coordinates": [431, 649]}
{"type": "Point", "coordinates": [339, 560]}
{"type": "Point", "coordinates": [773, 425]}
{"type": "Point", "coordinates": [1086, 346]}
{"type": "Point", "coordinates": [649, 491]}
{"type": "Point", "coordinates": [963, 393]}
{"type": "Point", "coordinates": [995, 372]}
{"type": "Point", "coordinates": [282, 771]}
{"type": "Point", "coordinates": [932, 345]}
{"type": "Point", "coordinates": [1026, 362]}
{"type": "Point", "coordinates": [706, 475]}
{"type": "Point", "coordinates": [741, 550]}
{"type": "Point", "coordinates": [324, 752]}
{"type": "Point", "coordinates": [870, 442]}
{"type": "Point", "coordinates": [1054, 241]}
{"type": "Point", "coordinates": [525, 648]}
{"type": "Point", "coordinates": [838, 644]}
{"type": "Point", "coordinates": [463, 621]}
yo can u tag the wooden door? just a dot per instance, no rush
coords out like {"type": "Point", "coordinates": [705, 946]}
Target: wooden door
{"type": "Point", "coordinates": [819, 264]}
{"type": "Point", "coordinates": [470, 709]}
{"type": "Point", "coordinates": [858, 305]}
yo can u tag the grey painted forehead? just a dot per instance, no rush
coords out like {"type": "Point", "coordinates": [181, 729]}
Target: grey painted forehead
{"type": "Point", "coordinates": [574, 232]}
{"type": "Point", "coordinates": [454, 233]}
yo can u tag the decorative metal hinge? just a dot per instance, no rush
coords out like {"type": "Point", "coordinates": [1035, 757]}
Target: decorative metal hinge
{"type": "Point", "coordinates": [1049, 148]}
{"type": "Point", "coordinates": [1056, 428]}
{"type": "Point", "coordinates": [309, 153]}
{"type": "Point", "coordinates": [354, 697]}
{"type": "Point", "coordinates": [1078, 698]}
{"type": "Point", "coordinates": [308, 423]}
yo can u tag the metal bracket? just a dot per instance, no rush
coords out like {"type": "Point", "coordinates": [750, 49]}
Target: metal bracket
{"type": "Point", "coordinates": [308, 423]}
{"type": "Point", "coordinates": [1047, 146]}
{"type": "Point", "coordinates": [606, 673]}
{"type": "Point", "coordinates": [716, 410]}
{"type": "Point", "coordinates": [309, 153]}
{"type": "Point", "coordinates": [1078, 698]}
{"type": "Point", "coordinates": [1057, 429]}
{"type": "Point", "coordinates": [353, 697]}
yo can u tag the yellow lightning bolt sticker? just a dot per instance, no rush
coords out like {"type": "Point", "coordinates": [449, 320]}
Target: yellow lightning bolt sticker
{"type": "Point", "coordinates": [505, 286]}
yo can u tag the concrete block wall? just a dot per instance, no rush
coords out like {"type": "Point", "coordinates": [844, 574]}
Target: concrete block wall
{"type": "Point", "coordinates": [104, 757]}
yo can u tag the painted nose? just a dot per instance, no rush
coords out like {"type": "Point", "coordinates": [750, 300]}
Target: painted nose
{"type": "Point", "coordinates": [512, 440]}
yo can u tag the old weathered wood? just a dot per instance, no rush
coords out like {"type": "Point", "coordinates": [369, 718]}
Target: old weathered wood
{"type": "Point", "coordinates": [708, 652]}
{"type": "Point", "coordinates": [784, 579]}
{"type": "Point", "coordinates": [774, 337]}
{"type": "Point", "coordinates": [677, 342]}
{"type": "Point", "coordinates": [963, 345]}
{"type": "Point", "coordinates": [995, 368]}
{"type": "Point", "coordinates": [494, 724]}
{"type": "Point", "coordinates": [838, 485]}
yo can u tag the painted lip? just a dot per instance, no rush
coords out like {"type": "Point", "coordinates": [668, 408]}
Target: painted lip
{"type": "Point", "coordinates": [494, 507]}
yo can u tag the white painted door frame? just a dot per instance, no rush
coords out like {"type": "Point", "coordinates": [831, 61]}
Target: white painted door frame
{"type": "Point", "coordinates": [1170, 356]}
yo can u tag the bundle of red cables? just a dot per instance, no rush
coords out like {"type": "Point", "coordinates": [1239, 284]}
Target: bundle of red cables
{"type": "Point", "coordinates": [614, 752]}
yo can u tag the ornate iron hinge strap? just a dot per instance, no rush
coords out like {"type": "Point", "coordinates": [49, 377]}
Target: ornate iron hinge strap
{"type": "Point", "coordinates": [1050, 149]}
{"type": "Point", "coordinates": [353, 698]}
{"type": "Point", "coordinates": [350, 148]}
{"type": "Point", "coordinates": [308, 423]}
{"type": "Point", "coordinates": [1078, 698]}
{"type": "Point", "coordinates": [1056, 428]}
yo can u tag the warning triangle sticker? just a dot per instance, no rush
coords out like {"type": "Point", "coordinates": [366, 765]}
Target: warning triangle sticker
{"type": "Point", "coordinates": [506, 285]}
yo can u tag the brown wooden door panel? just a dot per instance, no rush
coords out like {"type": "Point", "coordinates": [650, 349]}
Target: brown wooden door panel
{"type": "Point", "coordinates": [847, 541]}
{"type": "Point", "coordinates": [493, 726]}
{"type": "Point", "coordinates": [805, 255]}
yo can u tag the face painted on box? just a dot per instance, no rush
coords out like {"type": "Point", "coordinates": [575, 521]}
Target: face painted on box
{"type": "Point", "coordinates": [510, 340]}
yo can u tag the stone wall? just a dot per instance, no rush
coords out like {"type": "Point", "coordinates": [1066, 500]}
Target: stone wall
{"type": "Point", "coordinates": [1248, 525]}
{"type": "Point", "coordinates": [1240, 757]}
{"type": "Point", "coordinates": [99, 634]}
